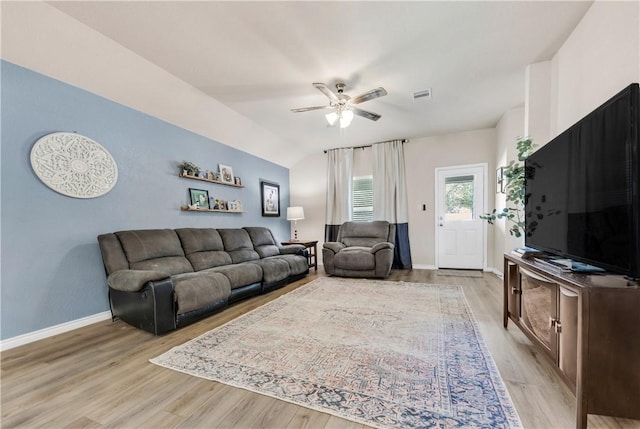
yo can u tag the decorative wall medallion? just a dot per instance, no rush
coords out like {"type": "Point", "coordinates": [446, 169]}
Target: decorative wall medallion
{"type": "Point", "coordinates": [74, 165]}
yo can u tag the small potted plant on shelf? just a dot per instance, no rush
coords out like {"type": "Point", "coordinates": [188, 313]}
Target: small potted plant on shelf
{"type": "Point", "coordinates": [189, 169]}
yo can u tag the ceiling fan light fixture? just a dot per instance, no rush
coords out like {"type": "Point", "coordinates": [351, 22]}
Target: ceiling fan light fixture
{"type": "Point", "coordinates": [343, 106]}
{"type": "Point", "coordinates": [331, 118]}
{"type": "Point", "coordinates": [345, 118]}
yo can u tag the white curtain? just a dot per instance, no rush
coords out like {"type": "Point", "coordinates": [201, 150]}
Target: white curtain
{"type": "Point", "coordinates": [390, 196]}
{"type": "Point", "coordinates": [339, 196]}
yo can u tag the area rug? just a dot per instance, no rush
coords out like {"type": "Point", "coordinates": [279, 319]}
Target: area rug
{"type": "Point", "coordinates": [459, 273]}
{"type": "Point", "coordinates": [385, 354]}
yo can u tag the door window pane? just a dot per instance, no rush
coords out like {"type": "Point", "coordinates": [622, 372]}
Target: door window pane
{"type": "Point", "coordinates": [458, 198]}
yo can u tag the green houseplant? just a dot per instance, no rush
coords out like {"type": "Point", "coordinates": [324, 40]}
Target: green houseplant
{"type": "Point", "coordinates": [190, 168]}
{"type": "Point", "coordinates": [513, 176]}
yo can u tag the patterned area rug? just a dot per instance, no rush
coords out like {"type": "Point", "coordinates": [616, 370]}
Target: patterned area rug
{"type": "Point", "coordinates": [386, 354]}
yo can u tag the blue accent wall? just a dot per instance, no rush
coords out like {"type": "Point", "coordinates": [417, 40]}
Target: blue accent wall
{"type": "Point", "coordinates": [52, 271]}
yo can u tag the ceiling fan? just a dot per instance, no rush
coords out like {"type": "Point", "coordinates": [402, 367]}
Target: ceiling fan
{"type": "Point", "coordinates": [343, 106]}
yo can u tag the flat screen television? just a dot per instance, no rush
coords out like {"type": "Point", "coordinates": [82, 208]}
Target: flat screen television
{"type": "Point", "coordinates": [582, 189]}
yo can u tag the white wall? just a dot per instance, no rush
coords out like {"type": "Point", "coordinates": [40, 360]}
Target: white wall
{"type": "Point", "coordinates": [537, 117]}
{"type": "Point", "coordinates": [600, 58]}
{"type": "Point", "coordinates": [510, 127]}
{"type": "Point", "coordinates": [308, 187]}
{"type": "Point", "coordinates": [422, 157]}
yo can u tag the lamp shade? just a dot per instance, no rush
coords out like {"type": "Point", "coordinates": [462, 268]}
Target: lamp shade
{"type": "Point", "coordinates": [295, 213]}
{"type": "Point", "coordinates": [345, 118]}
{"type": "Point", "coordinates": [331, 117]}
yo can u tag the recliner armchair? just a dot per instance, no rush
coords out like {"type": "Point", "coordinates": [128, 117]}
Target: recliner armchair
{"type": "Point", "coordinates": [362, 249]}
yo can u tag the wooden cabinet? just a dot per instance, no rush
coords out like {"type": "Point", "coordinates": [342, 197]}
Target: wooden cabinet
{"type": "Point", "coordinates": [587, 325]}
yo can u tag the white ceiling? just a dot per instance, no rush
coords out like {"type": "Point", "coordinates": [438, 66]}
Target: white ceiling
{"type": "Point", "coordinates": [260, 58]}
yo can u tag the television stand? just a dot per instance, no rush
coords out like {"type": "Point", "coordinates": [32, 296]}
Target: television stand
{"type": "Point", "coordinates": [587, 325]}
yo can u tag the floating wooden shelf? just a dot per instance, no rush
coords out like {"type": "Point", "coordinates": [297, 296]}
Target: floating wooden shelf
{"type": "Point", "coordinates": [217, 182]}
{"type": "Point", "coordinates": [187, 209]}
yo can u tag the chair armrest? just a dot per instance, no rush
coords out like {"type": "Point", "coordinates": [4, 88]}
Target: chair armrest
{"type": "Point", "coordinates": [134, 280]}
{"type": "Point", "coordinates": [380, 246]}
{"type": "Point", "coordinates": [291, 249]}
{"type": "Point", "coordinates": [334, 246]}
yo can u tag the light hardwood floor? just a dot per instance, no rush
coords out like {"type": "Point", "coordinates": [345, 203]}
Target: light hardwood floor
{"type": "Point", "coordinates": [100, 376]}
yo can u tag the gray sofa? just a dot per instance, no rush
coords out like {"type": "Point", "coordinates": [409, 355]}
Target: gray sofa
{"type": "Point", "coordinates": [362, 249]}
{"type": "Point", "coordinates": [162, 279]}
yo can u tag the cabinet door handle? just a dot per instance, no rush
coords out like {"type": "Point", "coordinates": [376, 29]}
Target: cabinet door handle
{"type": "Point", "coordinates": [515, 291]}
{"type": "Point", "coordinates": [558, 327]}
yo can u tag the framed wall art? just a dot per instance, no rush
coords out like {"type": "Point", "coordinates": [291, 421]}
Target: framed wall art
{"type": "Point", "coordinates": [199, 198]}
{"type": "Point", "coordinates": [270, 199]}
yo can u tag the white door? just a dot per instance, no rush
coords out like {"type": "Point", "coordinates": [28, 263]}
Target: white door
{"type": "Point", "coordinates": [460, 200]}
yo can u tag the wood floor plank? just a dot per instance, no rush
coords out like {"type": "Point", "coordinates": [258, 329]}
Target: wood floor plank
{"type": "Point", "coordinates": [99, 376]}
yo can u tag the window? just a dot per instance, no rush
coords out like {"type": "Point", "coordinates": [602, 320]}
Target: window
{"type": "Point", "coordinates": [458, 198]}
{"type": "Point", "coordinates": [362, 209]}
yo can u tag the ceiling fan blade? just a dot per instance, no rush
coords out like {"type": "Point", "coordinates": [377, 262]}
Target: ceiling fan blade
{"type": "Point", "coordinates": [326, 91]}
{"type": "Point", "coordinates": [366, 114]}
{"type": "Point", "coordinates": [369, 95]}
{"type": "Point", "coordinates": [306, 109]}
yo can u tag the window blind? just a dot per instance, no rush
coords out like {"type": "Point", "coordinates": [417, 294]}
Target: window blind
{"type": "Point", "coordinates": [362, 209]}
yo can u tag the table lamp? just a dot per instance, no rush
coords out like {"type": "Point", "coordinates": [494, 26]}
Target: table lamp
{"type": "Point", "coordinates": [295, 214]}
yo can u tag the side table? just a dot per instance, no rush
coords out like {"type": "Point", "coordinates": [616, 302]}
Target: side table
{"type": "Point", "coordinates": [313, 251]}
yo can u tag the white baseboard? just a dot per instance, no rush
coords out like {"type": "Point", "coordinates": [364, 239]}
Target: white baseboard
{"type": "Point", "coordinates": [494, 271]}
{"type": "Point", "coordinates": [433, 267]}
{"type": "Point", "coordinates": [30, 337]}
{"type": "Point", "coordinates": [423, 267]}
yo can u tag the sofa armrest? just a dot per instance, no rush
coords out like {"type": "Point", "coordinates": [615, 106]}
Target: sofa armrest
{"type": "Point", "coordinates": [292, 249]}
{"type": "Point", "coordinates": [334, 246]}
{"type": "Point", "coordinates": [382, 245]}
{"type": "Point", "coordinates": [134, 280]}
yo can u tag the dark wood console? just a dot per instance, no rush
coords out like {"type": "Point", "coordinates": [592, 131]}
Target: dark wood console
{"type": "Point", "coordinates": [587, 325]}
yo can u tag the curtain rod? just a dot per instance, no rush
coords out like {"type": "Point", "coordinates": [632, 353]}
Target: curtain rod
{"type": "Point", "coordinates": [366, 145]}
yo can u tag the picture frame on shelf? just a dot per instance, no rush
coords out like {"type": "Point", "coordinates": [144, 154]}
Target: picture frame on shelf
{"type": "Point", "coordinates": [218, 204]}
{"type": "Point", "coordinates": [235, 205]}
{"type": "Point", "coordinates": [237, 181]}
{"type": "Point", "coordinates": [211, 175]}
{"type": "Point", "coordinates": [199, 198]}
{"type": "Point", "coordinates": [270, 199]}
{"type": "Point", "coordinates": [226, 173]}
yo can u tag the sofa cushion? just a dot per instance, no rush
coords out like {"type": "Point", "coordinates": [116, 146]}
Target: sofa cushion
{"type": "Point", "coordinates": [297, 264]}
{"type": "Point", "coordinates": [355, 258]}
{"type": "Point", "coordinates": [363, 233]}
{"type": "Point", "coordinates": [203, 247]}
{"type": "Point", "coordinates": [154, 250]}
{"type": "Point", "coordinates": [113, 256]}
{"type": "Point", "coordinates": [134, 280]}
{"type": "Point", "coordinates": [273, 269]}
{"type": "Point", "coordinates": [263, 241]}
{"type": "Point", "coordinates": [240, 275]}
{"type": "Point", "coordinates": [194, 291]}
{"type": "Point", "coordinates": [238, 245]}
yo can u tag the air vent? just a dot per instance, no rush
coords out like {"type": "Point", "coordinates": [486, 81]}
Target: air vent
{"type": "Point", "coordinates": [422, 95]}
